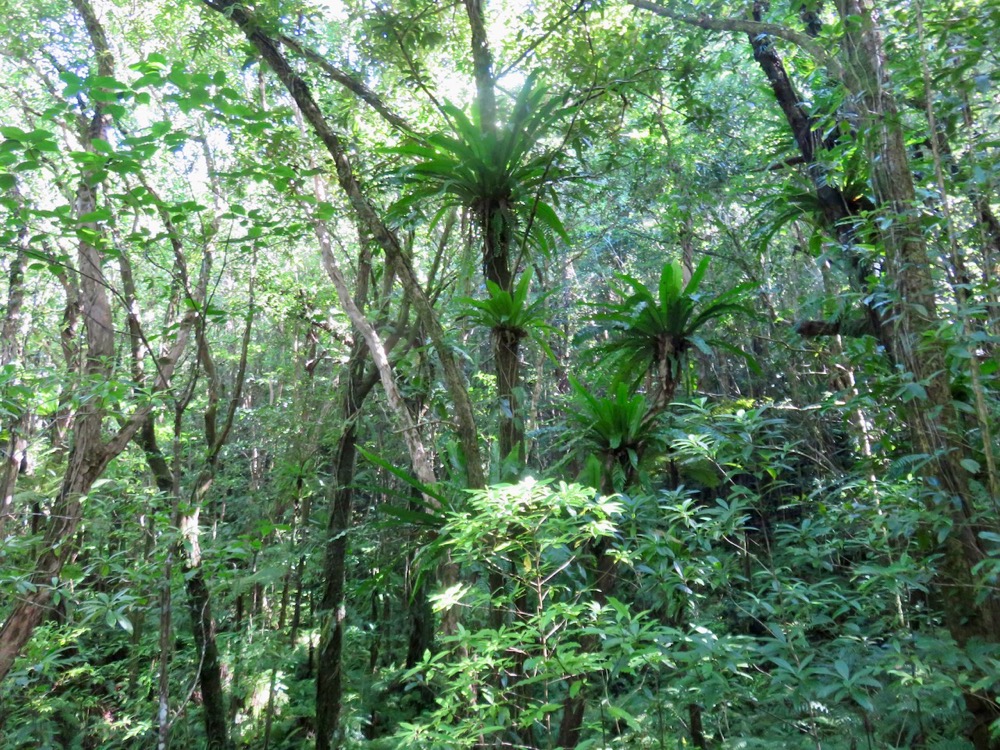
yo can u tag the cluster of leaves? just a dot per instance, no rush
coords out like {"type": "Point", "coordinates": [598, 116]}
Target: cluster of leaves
{"type": "Point", "coordinates": [656, 332]}
{"type": "Point", "coordinates": [493, 172]}
{"type": "Point", "coordinates": [810, 609]}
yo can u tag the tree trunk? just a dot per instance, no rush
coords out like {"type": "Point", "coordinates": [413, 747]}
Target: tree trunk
{"type": "Point", "coordinates": [59, 544]}
{"type": "Point", "coordinates": [839, 212]}
{"type": "Point", "coordinates": [421, 617]}
{"type": "Point", "coordinates": [506, 351]}
{"type": "Point", "coordinates": [14, 452]}
{"type": "Point", "coordinates": [202, 623]}
{"type": "Point", "coordinates": [494, 225]}
{"type": "Point", "coordinates": [482, 63]}
{"type": "Point", "coordinates": [210, 669]}
{"type": "Point", "coordinates": [90, 454]}
{"type": "Point", "coordinates": [571, 725]}
{"type": "Point", "coordinates": [329, 673]}
{"type": "Point", "coordinates": [198, 593]}
{"type": "Point", "coordinates": [932, 420]}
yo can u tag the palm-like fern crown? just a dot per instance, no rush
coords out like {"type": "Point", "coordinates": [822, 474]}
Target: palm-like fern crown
{"type": "Point", "coordinates": [513, 312]}
{"type": "Point", "coordinates": [492, 172]}
{"type": "Point", "coordinates": [651, 333]}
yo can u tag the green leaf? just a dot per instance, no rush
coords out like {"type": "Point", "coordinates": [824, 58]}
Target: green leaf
{"type": "Point", "coordinates": [545, 214]}
{"type": "Point", "coordinates": [842, 669]}
{"type": "Point", "coordinates": [106, 82]}
{"type": "Point", "coordinates": [72, 572]}
{"type": "Point", "coordinates": [414, 517]}
{"type": "Point", "coordinates": [74, 84]}
{"type": "Point", "coordinates": [970, 465]}
{"type": "Point", "coordinates": [405, 476]}
{"type": "Point", "coordinates": [101, 214]}
{"type": "Point", "coordinates": [696, 277]}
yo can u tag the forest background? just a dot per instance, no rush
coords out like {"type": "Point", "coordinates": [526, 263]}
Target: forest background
{"type": "Point", "coordinates": [555, 373]}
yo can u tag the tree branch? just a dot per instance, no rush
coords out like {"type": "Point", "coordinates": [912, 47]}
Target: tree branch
{"type": "Point", "coordinates": [746, 26]}
{"type": "Point", "coordinates": [368, 218]}
{"type": "Point", "coordinates": [347, 81]}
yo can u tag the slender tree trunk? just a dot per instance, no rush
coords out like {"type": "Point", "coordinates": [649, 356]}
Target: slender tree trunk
{"type": "Point", "coordinates": [207, 650]}
{"type": "Point", "coordinates": [421, 617]}
{"type": "Point", "coordinates": [14, 452]}
{"type": "Point", "coordinates": [303, 524]}
{"type": "Point", "coordinates": [166, 650]}
{"type": "Point", "coordinates": [695, 728]}
{"type": "Point", "coordinates": [329, 672]}
{"type": "Point", "coordinates": [203, 629]}
{"type": "Point", "coordinates": [168, 482]}
{"type": "Point", "coordinates": [198, 593]}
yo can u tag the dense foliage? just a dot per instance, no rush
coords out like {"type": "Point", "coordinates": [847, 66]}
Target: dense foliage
{"type": "Point", "coordinates": [550, 374]}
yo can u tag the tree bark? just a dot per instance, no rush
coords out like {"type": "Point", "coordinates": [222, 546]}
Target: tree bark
{"type": "Point", "coordinates": [494, 225]}
{"type": "Point", "coordinates": [329, 673]}
{"type": "Point", "coordinates": [14, 452]}
{"type": "Point", "coordinates": [198, 593]}
{"type": "Point", "coordinates": [210, 667]}
{"type": "Point", "coordinates": [932, 420]}
{"type": "Point", "coordinates": [167, 480]}
{"type": "Point", "coordinates": [88, 455]}
{"type": "Point", "coordinates": [482, 65]}
{"type": "Point", "coordinates": [839, 212]}
{"type": "Point", "coordinates": [746, 26]}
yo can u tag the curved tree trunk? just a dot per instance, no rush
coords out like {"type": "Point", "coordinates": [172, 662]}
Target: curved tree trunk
{"type": "Point", "coordinates": [839, 213]}
{"type": "Point", "coordinates": [370, 224]}
{"type": "Point", "coordinates": [90, 454]}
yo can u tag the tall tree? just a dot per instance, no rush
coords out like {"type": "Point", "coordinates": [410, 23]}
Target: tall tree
{"type": "Point", "coordinates": [90, 453]}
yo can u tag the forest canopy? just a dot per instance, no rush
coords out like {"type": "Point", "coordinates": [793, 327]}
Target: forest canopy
{"type": "Point", "coordinates": [499, 374]}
